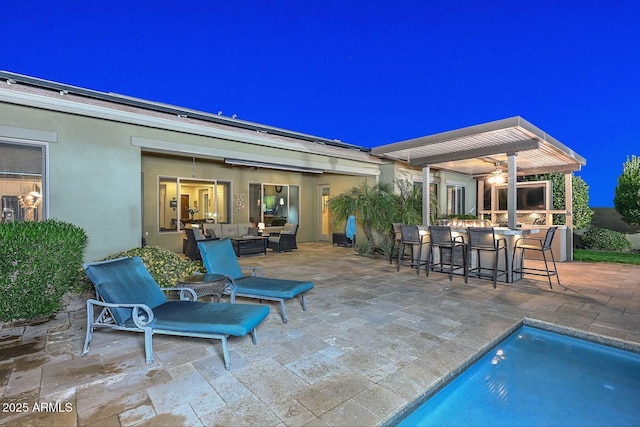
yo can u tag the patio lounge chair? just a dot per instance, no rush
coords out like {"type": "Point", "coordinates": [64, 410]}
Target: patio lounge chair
{"type": "Point", "coordinates": [218, 257]}
{"type": "Point", "coordinates": [129, 299]}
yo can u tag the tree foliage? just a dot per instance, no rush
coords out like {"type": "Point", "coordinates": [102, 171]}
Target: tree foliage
{"type": "Point", "coordinates": [372, 206]}
{"type": "Point", "coordinates": [409, 203]}
{"type": "Point", "coordinates": [582, 214]}
{"type": "Point", "coordinates": [408, 200]}
{"type": "Point", "coordinates": [627, 194]}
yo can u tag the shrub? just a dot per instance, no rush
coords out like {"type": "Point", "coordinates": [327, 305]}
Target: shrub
{"type": "Point", "coordinates": [364, 248]}
{"type": "Point", "coordinates": [605, 240]}
{"type": "Point", "coordinates": [166, 267]}
{"type": "Point", "coordinates": [582, 214]}
{"type": "Point", "coordinates": [388, 248]}
{"type": "Point", "coordinates": [39, 262]}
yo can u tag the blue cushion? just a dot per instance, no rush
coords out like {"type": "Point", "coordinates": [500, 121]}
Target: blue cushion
{"type": "Point", "coordinates": [218, 257]}
{"type": "Point", "coordinates": [125, 281]}
{"type": "Point", "coordinates": [213, 318]}
{"type": "Point", "coordinates": [278, 288]}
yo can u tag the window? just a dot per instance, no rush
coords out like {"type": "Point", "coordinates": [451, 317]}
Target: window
{"type": "Point", "coordinates": [456, 199]}
{"type": "Point", "coordinates": [21, 182]}
{"type": "Point", "coordinates": [269, 202]}
{"type": "Point", "coordinates": [186, 200]}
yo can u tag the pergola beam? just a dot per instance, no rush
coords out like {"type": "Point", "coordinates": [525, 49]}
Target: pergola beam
{"type": "Point", "coordinates": [508, 148]}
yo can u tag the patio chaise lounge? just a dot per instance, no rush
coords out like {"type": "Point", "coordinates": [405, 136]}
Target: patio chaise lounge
{"type": "Point", "coordinates": [129, 299]}
{"type": "Point", "coordinates": [218, 257]}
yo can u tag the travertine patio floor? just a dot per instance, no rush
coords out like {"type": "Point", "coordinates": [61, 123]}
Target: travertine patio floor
{"type": "Point", "coordinates": [371, 341]}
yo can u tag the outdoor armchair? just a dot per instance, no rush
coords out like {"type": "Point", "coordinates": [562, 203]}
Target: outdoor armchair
{"type": "Point", "coordinates": [285, 240]}
{"type": "Point", "coordinates": [129, 299]}
{"type": "Point", "coordinates": [194, 235]}
{"type": "Point", "coordinates": [218, 257]}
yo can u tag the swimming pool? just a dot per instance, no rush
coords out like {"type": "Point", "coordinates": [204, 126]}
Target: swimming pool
{"type": "Point", "coordinates": [539, 378]}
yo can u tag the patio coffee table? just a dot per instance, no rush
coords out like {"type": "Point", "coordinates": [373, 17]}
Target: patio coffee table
{"type": "Point", "coordinates": [249, 245]}
{"type": "Point", "coordinates": [205, 284]}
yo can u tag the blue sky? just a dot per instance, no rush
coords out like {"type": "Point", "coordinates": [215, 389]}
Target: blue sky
{"type": "Point", "coordinates": [364, 72]}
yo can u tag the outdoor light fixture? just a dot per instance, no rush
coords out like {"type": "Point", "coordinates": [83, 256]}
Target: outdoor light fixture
{"type": "Point", "coordinates": [497, 176]}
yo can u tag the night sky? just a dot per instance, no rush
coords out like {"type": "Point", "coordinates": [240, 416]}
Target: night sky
{"type": "Point", "coordinates": [368, 73]}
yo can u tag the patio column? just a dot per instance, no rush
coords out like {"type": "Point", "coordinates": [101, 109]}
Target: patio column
{"type": "Point", "coordinates": [568, 205]}
{"type": "Point", "coordinates": [426, 195]}
{"type": "Point", "coordinates": [512, 192]}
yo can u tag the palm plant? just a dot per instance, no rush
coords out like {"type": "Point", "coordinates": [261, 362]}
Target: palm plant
{"type": "Point", "coordinates": [371, 205]}
{"type": "Point", "coordinates": [409, 203]}
{"type": "Point", "coordinates": [409, 200]}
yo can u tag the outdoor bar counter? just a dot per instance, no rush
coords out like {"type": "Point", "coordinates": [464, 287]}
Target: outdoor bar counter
{"type": "Point", "coordinates": [511, 236]}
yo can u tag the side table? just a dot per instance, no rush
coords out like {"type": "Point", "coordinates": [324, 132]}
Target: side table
{"type": "Point", "coordinates": [205, 284]}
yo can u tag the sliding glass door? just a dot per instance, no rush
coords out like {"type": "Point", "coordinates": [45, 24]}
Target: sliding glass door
{"type": "Point", "coordinates": [274, 203]}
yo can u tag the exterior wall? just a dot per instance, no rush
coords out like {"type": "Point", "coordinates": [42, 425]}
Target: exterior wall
{"type": "Point", "coordinates": [450, 178]}
{"type": "Point", "coordinates": [154, 166]}
{"type": "Point", "coordinates": [97, 168]}
{"type": "Point", "coordinates": [390, 171]}
{"type": "Point", "coordinates": [93, 175]}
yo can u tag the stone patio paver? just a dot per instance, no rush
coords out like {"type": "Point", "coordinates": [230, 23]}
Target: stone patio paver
{"type": "Point", "coordinates": [372, 341]}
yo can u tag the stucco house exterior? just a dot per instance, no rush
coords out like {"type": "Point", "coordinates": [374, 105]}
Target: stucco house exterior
{"type": "Point", "coordinates": [125, 169]}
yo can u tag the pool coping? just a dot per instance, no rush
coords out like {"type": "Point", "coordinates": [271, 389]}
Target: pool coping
{"type": "Point", "coordinates": [443, 381]}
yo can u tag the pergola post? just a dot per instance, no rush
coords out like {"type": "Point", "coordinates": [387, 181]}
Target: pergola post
{"type": "Point", "coordinates": [512, 192]}
{"type": "Point", "coordinates": [426, 195]}
{"type": "Point", "coordinates": [568, 205]}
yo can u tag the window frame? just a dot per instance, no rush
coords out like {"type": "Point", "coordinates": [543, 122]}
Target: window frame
{"type": "Point", "coordinates": [169, 202]}
{"type": "Point", "coordinates": [42, 212]}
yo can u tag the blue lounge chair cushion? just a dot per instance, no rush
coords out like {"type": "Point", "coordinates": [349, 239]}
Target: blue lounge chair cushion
{"type": "Point", "coordinates": [201, 317]}
{"type": "Point", "coordinates": [277, 288]}
{"type": "Point", "coordinates": [125, 281]}
{"type": "Point", "coordinates": [218, 256]}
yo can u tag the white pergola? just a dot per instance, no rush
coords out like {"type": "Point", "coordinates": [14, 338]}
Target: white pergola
{"type": "Point", "coordinates": [478, 150]}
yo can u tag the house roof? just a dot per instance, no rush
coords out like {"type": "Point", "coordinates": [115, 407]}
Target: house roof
{"type": "Point", "coordinates": [65, 89]}
{"type": "Point", "coordinates": [478, 150]}
{"type": "Point", "coordinates": [292, 150]}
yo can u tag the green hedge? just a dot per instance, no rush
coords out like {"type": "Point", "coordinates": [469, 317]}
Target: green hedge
{"type": "Point", "coordinates": [166, 267]}
{"type": "Point", "coordinates": [602, 239]}
{"type": "Point", "coordinates": [39, 262]}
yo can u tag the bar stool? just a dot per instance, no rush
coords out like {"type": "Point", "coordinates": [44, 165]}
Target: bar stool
{"type": "Point", "coordinates": [541, 245]}
{"type": "Point", "coordinates": [440, 238]}
{"type": "Point", "coordinates": [410, 235]}
{"type": "Point", "coordinates": [483, 239]}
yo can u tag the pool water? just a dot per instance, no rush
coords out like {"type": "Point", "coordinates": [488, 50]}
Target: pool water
{"type": "Point", "coordinates": [540, 378]}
